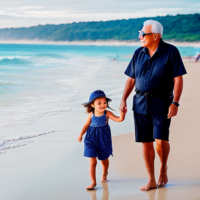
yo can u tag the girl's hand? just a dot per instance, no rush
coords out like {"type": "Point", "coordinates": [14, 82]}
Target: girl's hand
{"type": "Point", "coordinates": [80, 138]}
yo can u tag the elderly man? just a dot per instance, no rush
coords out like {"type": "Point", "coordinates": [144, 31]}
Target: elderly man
{"type": "Point", "coordinates": [156, 70]}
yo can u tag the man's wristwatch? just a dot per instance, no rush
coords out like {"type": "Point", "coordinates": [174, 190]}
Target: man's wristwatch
{"type": "Point", "coordinates": [175, 103]}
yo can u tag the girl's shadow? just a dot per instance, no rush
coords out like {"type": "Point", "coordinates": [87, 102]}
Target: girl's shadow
{"type": "Point", "coordinates": [105, 192]}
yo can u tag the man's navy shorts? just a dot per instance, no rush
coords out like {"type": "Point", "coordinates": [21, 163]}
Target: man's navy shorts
{"type": "Point", "coordinates": [151, 127]}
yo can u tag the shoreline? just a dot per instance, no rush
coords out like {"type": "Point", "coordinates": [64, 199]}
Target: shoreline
{"type": "Point", "coordinates": [95, 43]}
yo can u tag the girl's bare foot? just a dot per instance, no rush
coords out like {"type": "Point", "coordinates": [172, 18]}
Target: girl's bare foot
{"type": "Point", "coordinates": [104, 178]}
{"type": "Point", "coordinates": [148, 186]}
{"type": "Point", "coordinates": [91, 187]}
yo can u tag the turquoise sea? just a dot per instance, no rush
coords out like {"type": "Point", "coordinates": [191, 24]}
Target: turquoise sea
{"type": "Point", "coordinates": [20, 62]}
{"type": "Point", "coordinates": [38, 81]}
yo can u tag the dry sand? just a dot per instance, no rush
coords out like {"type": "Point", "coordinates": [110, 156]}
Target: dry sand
{"type": "Point", "coordinates": [47, 170]}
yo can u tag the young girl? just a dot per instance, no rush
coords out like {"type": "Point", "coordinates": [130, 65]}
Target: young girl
{"type": "Point", "coordinates": [97, 142]}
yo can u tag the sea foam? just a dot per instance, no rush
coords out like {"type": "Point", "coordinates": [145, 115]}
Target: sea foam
{"type": "Point", "coordinates": [10, 142]}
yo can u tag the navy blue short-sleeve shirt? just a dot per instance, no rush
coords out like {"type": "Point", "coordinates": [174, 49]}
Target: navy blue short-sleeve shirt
{"type": "Point", "coordinates": [155, 75]}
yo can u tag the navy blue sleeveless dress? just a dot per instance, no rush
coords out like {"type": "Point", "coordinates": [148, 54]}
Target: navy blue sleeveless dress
{"type": "Point", "coordinates": [97, 142]}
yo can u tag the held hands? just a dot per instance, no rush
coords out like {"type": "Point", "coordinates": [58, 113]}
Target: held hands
{"type": "Point", "coordinates": [80, 138]}
{"type": "Point", "coordinates": [123, 108]}
{"type": "Point", "coordinates": [173, 109]}
{"type": "Point", "coordinates": [122, 113]}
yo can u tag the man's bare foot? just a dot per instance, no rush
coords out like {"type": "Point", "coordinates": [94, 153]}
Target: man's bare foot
{"type": "Point", "coordinates": [163, 177]}
{"type": "Point", "coordinates": [148, 186]}
{"type": "Point", "coordinates": [91, 187]}
{"type": "Point", "coordinates": [104, 178]}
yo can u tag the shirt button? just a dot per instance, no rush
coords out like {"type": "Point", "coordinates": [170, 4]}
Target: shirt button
{"type": "Point", "coordinates": [144, 87]}
{"type": "Point", "coordinates": [144, 80]}
{"type": "Point", "coordinates": [147, 70]}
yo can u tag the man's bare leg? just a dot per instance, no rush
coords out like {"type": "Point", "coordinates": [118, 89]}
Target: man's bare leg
{"type": "Point", "coordinates": [149, 156]}
{"type": "Point", "coordinates": [162, 148]}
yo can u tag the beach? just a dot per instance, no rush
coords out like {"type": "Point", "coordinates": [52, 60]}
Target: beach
{"type": "Point", "coordinates": [53, 166]}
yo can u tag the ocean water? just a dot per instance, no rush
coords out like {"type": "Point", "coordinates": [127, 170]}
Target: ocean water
{"type": "Point", "coordinates": [37, 84]}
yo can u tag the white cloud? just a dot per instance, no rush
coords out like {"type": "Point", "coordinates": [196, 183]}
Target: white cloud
{"type": "Point", "coordinates": [34, 12]}
{"type": "Point", "coordinates": [161, 10]}
{"type": "Point", "coordinates": [28, 12]}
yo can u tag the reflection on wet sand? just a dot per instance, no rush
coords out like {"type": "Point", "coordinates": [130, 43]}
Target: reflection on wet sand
{"type": "Point", "coordinates": [160, 193]}
{"type": "Point", "coordinates": [151, 194]}
{"type": "Point", "coordinates": [93, 194]}
{"type": "Point", "coordinates": [105, 192]}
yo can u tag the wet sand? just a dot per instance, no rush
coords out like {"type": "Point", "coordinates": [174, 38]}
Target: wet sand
{"type": "Point", "coordinates": [47, 169]}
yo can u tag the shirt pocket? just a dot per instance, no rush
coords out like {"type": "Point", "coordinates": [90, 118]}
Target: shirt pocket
{"type": "Point", "coordinates": [140, 69]}
{"type": "Point", "coordinates": [159, 70]}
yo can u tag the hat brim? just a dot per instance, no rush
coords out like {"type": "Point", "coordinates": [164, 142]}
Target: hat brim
{"type": "Point", "coordinates": [87, 103]}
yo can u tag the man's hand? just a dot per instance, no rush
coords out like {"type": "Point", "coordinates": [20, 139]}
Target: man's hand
{"type": "Point", "coordinates": [173, 109]}
{"type": "Point", "coordinates": [123, 107]}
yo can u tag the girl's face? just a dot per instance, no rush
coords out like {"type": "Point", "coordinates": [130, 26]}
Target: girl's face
{"type": "Point", "coordinates": [100, 104]}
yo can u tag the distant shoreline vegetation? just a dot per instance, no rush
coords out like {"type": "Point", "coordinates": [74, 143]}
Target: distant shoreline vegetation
{"type": "Point", "coordinates": [181, 28]}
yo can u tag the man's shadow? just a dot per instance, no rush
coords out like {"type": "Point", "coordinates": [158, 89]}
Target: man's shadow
{"type": "Point", "coordinates": [105, 192]}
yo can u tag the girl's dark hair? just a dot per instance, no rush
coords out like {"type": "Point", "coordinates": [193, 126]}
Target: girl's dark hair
{"type": "Point", "coordinates": [89, 107]}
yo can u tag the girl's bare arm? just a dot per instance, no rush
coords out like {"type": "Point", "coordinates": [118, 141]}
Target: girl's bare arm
{"type": "Point", "coordinates": [116, 118]}
{"type": "Point", "coordinates": [85, 127]}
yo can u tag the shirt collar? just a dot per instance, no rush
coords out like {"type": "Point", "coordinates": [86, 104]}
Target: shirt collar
{"type": "Point", "coordinates": [161, 47]}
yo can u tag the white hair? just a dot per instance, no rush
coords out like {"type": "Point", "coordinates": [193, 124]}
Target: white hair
{"type": "Point", "coordinates": [156, 26]}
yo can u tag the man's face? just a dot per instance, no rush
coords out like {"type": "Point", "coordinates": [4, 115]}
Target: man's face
{"type": "Point", "coordinates": [148, 40]}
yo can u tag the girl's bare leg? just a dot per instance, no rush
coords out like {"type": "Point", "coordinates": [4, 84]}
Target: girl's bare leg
{"type": "Point", "coordinates": [92, 172]}
{"type": "Point", "coordinates": [105, 165]}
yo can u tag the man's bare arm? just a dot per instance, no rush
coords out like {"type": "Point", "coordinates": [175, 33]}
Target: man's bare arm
{"type": "Point", "coordinates": [178, 88]}
{"type": "Point", "coordinates": [130, 83]}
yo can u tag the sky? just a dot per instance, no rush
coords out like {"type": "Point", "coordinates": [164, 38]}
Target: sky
{"type": "Point", "coordinates": [26, 13]}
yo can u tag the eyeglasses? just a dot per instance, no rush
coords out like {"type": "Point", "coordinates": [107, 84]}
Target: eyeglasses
{"type": "Point", "coordinates": [141, 33]}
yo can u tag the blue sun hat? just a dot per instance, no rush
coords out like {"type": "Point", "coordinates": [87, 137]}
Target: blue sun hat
{"type": "Point", "coordinates": [96, 94]}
